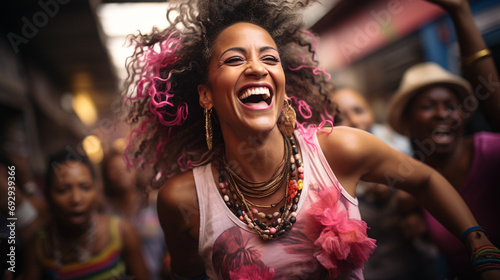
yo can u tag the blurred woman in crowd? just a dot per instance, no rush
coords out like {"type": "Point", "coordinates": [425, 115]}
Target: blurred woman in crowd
{"type": "Point", "coordinates": [79, 242]}
{"type": "Point", "coordinates": [125, 199]}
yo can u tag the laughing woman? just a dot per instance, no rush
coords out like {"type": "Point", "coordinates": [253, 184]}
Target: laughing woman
{"type": "Point", "coordinates": [80, 243]}
{"type": "Point", "coordinates": [248, 193]}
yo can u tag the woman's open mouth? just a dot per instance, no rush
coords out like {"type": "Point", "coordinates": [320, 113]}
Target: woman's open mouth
{"type": "Point", "coordinates": [78, 217]}
{"type": "Point", "coordinates": [256, 97]}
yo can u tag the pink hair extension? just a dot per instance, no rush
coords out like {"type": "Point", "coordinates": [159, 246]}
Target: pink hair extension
{"type": "Point", "coordinates": [152, 63]}
{"type": "Point", "coordinates": [161, 99]}
{"type": "Point", "coordinates": [315, 70]}
{"type": "Point", "coordinates": [184, 163]}
{"type": "Point", "coordinates": [309, 131]}
{"type": "Point", "coordinates": [300, 127]}
{"type": "Point", "coordinates": [303, 108]}
{"type": "Point", "coordinates": [160, 147]}
{"type": "Point", "coordinates": [328, 116]}
{"type": "Point", "coordinates": [323, 123]}
{"type": "Point", "coordinates": [308, 134]}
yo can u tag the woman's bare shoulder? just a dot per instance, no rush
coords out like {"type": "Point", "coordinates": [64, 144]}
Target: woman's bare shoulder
{"type": "Point", "coordinates": [179, 216]}
{"type": "Point", "coordinates": [347, 149]}
{"type": "Point", "coordinates": [177, 203]}
{"type": "Point", "coordinates": [344, 142]}
{"type": "Point", "coordinates": [178, 190]}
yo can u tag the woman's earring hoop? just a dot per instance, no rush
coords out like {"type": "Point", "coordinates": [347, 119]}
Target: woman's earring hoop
{"type": "Point", "coordinates": [208, 127]}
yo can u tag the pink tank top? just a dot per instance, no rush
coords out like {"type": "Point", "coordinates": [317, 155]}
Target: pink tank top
{"type": "Point", "coordinates": [317, 247]}
{"type": "Point", "coordinates": [480, 192]}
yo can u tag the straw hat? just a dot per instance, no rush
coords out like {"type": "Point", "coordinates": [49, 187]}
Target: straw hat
{"type": "Point", "coordinates": [415, 79]}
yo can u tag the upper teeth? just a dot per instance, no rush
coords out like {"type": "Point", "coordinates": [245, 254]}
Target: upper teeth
{"type": "Point", "coordinates": [441, 130]}
{"type": "Point", "coordinates": [255, 91]}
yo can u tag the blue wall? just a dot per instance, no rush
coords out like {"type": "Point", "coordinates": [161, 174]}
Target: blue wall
{"type": "Point", "coordinates": [441, 52]}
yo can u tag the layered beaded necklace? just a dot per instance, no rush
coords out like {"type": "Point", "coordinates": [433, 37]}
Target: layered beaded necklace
{"type": "Point", "coordinates": [235, 190]}
{"type": "Point", "coordinates": [81, 246]}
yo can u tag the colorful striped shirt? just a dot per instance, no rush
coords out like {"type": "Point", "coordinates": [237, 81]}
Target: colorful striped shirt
{"type": "Point", "coordinates": [107, 263]}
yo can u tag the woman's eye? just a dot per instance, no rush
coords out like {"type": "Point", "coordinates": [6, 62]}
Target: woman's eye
{"type": "Point", "coordinates": [359, 111]}
{"type": "Point", "coordinates": [271, 58]}
{"type": "Point", "coordinates": [61, 190]}
{"type": "Point", "coordinates": [86, 187]}
{"type": "Point", "coordinates": [233, 60]}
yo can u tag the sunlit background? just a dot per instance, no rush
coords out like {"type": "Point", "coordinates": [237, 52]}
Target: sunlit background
{"type": "Point", "coordinates": [122, 19]}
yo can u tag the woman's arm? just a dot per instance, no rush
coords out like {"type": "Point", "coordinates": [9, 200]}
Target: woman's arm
{"type": "Point", "coordinates": [132, 251]}
{"type": "Point", "coordinates": [357, 155]}
{"type": "Point", "coordinates": [481, 73]}
{"type": "Point", "coordinates": [178, 212]}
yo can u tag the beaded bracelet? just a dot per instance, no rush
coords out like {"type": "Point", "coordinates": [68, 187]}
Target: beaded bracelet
{"type": "Point", "coordinates": [485, 258]}
{"type": "Point", "coordinates": [471, 229]}
{"type": "Point", "coordinates": [469, 60]}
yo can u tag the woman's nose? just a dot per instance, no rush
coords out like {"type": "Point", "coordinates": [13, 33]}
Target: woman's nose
{"type": "Point", "coordinates": [256, 68]}
{"type": "Point", "coordinates": [76, 196]}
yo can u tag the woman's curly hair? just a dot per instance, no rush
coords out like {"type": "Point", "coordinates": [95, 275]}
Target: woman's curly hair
{"type": "Point", "coordinates": [168, 65]}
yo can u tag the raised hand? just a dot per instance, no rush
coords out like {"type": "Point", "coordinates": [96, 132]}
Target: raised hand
{"type": "Point", "coordinates": [450, 5]}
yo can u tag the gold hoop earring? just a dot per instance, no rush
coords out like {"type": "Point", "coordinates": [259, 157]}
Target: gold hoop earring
{"type": "Point", "coordinates": [288, 119]}
{"type": "Point", "coordinates": [208, 127]}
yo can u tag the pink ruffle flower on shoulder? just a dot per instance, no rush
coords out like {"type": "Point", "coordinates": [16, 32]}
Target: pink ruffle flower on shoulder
{"type": "Point", "coordinates": [342, 244]}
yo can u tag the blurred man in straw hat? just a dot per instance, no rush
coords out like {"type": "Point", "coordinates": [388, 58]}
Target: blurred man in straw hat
{"type": "Point", "coordinates": [430, 107]}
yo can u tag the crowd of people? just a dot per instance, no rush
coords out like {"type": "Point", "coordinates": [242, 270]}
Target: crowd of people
{"type": "Point", "coordinates": [77, 230]}
{"type": "Point", "coordinates": [246, 163]}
